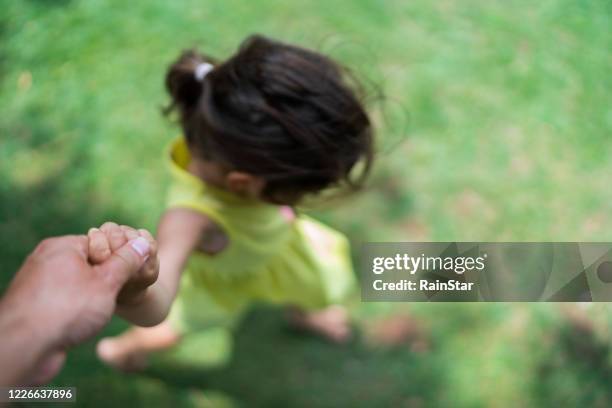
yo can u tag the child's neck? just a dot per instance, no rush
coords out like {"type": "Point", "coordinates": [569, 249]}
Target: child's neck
{"type": "Point", "coordinates": [197, 170]}
{"type": "Point", "coordinates": [214, 175]}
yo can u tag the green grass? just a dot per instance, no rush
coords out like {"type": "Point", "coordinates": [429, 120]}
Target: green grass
{"type": "Point", "coordinates": [496, 126]}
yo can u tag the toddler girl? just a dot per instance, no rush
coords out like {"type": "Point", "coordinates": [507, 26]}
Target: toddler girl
{"type": "Point", "coordinates": [269, 126]}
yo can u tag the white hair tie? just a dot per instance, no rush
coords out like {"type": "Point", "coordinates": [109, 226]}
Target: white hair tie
{"type": "Point", "coordinates": [202, 70]}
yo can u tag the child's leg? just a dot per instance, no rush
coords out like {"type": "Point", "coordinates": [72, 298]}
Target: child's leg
{"type": "Point", "coordinates": [129, 350]}
{"type": "Point", "coordinates": [331, 323]}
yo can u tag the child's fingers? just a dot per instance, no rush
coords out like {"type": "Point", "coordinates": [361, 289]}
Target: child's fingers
{"type": "Point", "coordinates": [147, 275]}
{"type": "Point", "coordinates": [135, 288]}
{"type": "Point", "coordinates": [99, 247]}
{"type": "Point", "coordinates": [150, 269]}
{"type": "Point", "coordinates": [116, 236]}
{"type": "Point", "coordinates": [149, 272]}
{"type": "Point", "coordinates": [130, 233]}
{"type": "Point", "coordinates": [146, 234]}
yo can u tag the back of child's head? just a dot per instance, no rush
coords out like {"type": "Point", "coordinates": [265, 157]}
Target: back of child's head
{"type": "Point", "coordinates": [276, 111]}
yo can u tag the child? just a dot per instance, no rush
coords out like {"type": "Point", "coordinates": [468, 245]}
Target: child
{"type": "Point", "coordinates": [265, 128]}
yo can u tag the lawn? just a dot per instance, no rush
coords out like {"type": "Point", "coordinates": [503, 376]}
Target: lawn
{"type": "Point", "coordinates": [495, 125]}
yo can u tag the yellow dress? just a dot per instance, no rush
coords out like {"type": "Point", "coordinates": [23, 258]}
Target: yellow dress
{"type": "Point", "coordinates": [270, 258]}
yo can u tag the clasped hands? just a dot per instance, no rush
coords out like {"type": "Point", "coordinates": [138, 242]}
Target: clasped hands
{"type": "Point", "coordinates": [65, 292]}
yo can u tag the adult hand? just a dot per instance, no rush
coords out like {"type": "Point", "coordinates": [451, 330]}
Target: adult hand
{"type": "Point", "coordinates": [58, 300]}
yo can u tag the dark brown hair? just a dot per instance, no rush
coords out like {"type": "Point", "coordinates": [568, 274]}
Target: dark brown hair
{"type": "Point", "coordinates": [277, 111]}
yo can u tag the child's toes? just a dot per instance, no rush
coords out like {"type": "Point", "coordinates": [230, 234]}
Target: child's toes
{"type": "Point", "coordinates": [116, 355]}
{"type": "Point", "coordinates": [99, 247]}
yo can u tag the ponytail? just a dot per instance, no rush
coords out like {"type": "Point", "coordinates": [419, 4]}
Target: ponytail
{"type": "Point", "coordinates": [185, 81]}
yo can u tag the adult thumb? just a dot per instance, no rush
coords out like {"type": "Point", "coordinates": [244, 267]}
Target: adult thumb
{"type": "Point", "coordinates": [126, 261]}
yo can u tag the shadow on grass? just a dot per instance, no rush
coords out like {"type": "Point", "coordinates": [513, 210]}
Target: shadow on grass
{"type": "Point", "coordinates": [272, 366]}
{"type": "Point", "coordinates": [579, 371]}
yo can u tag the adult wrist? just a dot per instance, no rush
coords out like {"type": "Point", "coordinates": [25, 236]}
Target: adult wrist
{"type": "Point", "coordinates": [23, 343]}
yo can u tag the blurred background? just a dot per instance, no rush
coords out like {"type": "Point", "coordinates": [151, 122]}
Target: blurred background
{"type": "Point", "coordinates": [495, 125]}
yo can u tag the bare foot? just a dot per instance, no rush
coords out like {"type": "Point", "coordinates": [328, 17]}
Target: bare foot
{"type": "Point", "coordinates": [397, 330]}
{"type": "Point", "coordinates": [113, 351]}
{"type": "Point", "coordinates": [129, 351]}
{"type": "Point", "coordinates": [331, 323]}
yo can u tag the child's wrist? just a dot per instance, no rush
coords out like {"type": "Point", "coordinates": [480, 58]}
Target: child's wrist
{"type": "Point", "coordinates": [132, 300]}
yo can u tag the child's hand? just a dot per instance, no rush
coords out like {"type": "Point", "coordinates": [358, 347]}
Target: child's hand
{"type": "Point", "coordinates": [110, 237]}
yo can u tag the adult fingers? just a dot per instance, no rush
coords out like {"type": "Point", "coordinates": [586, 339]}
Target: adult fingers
{"type": "Point", "coordinates": [150, 269]}
{"type": "Point", "coordinates": [146, 234]}
{"type": "Point", "coordinates": [148, 273]}
{"type": "Point", "coordinates": [125, 262]}
{"type": "Point", "coordinates": [48, 368]}
{"type": "Point", "coordinates": [74, 243]}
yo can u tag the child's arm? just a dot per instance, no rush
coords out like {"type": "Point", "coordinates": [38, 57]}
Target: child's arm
{"type": "Point", "coordinates": [178, 234]}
